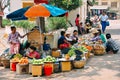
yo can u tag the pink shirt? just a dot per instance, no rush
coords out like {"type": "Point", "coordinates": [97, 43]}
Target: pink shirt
{"type": "Point", "coordinates": [37, 55]}
{"type": "Point", "coordinates": [77, 21]}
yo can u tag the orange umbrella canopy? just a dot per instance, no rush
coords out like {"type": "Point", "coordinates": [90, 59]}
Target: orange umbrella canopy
{"type": "Point", "coordinates": [37, 11]}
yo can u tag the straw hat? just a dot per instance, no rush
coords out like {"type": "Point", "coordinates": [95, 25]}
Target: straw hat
{"type": "Point", "coordinates": [68, 32]}
{"type": "Point", "coordinates": [93, 30]}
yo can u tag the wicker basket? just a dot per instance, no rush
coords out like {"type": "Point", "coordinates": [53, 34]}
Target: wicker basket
{"type": "Point", "coordinates": [6, 63]}
{"type": "Point", "coordinates": [99, 51]}
{"type": "Point", "coordinates": [35, 38]}
{"type": "Point", "coordinates": [55, 53]}
{"type": "Point", "coordinates": [78, 64]}
{"type": "Point", "coordinates": [1, 62]}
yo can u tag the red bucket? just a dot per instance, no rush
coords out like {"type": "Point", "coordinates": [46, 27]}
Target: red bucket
{"type": "Point", "coordinates": [13, 66]}
{"type": "Point", "coordinates": [47, 70]}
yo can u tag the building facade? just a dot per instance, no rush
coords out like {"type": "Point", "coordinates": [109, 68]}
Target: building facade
{"type": "Point", "coordinates": [113, 5]}
{"type": "Point", "coordinates": [17, 4]}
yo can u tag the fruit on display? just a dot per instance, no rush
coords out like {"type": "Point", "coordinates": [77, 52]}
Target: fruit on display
{"type": "Point", "coordinates": [71, 52]}
{"type": "Point", "coordinates": [16, 59]}
{"type": "Point", "coordinates": [99, 47]}
{"type": "Point", "coordinates": [89, 48]}
{"type": "Point", "coordinates": [18, 56]}
{"type": "Point", "coordinates": [83, 49]}
{"type": "Point", "coordinates": [23, 60]}
{"type": "Point", "coordinates": [67, 56]}
{"type": "Point", "coordinates": [37, 61]}
{"type": "Point", "coordinates": [49, 59]}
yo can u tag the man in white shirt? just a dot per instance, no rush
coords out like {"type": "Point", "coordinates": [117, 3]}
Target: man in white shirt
{"type": "Point", "coordinates": [103, 19]}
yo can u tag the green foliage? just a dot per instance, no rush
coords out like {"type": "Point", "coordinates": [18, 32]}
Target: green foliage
{"type": "Point", "coordinates": [22, 24]}
{"type": "Point", "coordinates": [54, 23]}
{"type": "Point", "coordinates": [66, 4]}
{"type": "Point", "coordinates": [6, 22]}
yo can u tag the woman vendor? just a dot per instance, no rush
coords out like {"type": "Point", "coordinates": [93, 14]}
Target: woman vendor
{"type": "Point", "coordinates": [68, 38]}
{"type": "Point", "coordinates": [74, 37]}
{"type": "Point", "coordinates": [13, 39]}
{"type": "Point", "coordinates": [33, 53]}
{"type": "Point", "coordinates": [96, 37]}
{"type": "Point", "coordinates": [103, 37]}
{"type": "Point", "coordinates": [62, 42]}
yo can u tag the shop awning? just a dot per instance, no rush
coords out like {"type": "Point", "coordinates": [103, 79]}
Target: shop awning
{"type": "Point", "coordinates": [99, 7]}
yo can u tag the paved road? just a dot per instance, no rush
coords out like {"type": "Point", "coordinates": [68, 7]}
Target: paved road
{"type": "Point", "coordinates": [105, 67]}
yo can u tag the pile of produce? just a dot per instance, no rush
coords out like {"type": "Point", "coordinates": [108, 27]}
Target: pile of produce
{"type": "Point", "coordinates": [18, 56]}
{"type": "Point", "coordinates": [100, 47]}
{"type": "Point", "coordinates": [37, 61]}
{"type": "Point", "coordinates": [71, 52]}
{"type": "Point", "coordinates": [42, 61]}
{"type": "Point", "coordinates": [83, 49]}
{"type": "Point", "coordinates": [23, 61]}
{"type": "Point", "coordinates": [49, 59]}
{"type": "Point", "coordinates": [16, 59]}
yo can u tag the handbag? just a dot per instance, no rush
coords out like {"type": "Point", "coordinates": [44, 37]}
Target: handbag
{"type": "Point", "coordinates": [107, 23]}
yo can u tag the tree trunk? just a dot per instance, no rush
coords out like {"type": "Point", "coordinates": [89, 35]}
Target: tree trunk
{"type": "Point", "coordinates": [1, 22]}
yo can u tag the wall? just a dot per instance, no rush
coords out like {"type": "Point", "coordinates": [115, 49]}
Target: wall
{"type": "Point", "coordinates": [15, 4]}
{"type": "Point", "coordinates": [81, 10]}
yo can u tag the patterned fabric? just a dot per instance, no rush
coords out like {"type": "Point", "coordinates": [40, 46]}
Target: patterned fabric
{"type": "Point", "coordinates": [14, 38]}
{"type": "Point", "coordinates": [95, 38]}
{"type": "Point", "coordinates": [14, 48]}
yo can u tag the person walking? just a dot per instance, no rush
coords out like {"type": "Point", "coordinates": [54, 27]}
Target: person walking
{"type": "Point", "coordinates": [103, 19]}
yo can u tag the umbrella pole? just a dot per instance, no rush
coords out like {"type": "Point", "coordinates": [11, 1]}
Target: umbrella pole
{"type": "Point", "coordinates": [40, 33]}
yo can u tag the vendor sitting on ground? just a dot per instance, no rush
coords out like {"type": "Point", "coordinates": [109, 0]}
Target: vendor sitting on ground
{"type": "Point", "coordinates": [88, 27]}
{"type": "Point", "coordinates": [96, 37]}
{"type": "Point", "coordinates": [103, 37]}
{"type": "Point", "coordinates": [81, 29]}
{"type": "Point", "coordinates": [111, 45]}
{"type": "Point", "coordinates": [68, 38]}
{"type": "Point", "coordinates": [74, 37]}
{"type": "Point", "coordinates": [62, 42]}
{"type": "Point", "coordinates": [13, 39]}
{"type": "Point", "coordinates": [33, 53]}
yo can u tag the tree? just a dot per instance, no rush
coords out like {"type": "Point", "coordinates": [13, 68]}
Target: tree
{"type": "Point", "coordinates": [66, 4]}
{"type": "Point", "coordinates": [3, 5]}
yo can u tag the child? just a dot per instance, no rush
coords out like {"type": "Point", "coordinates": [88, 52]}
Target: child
{"type": "Point", "coordinates": [111, 45]}
{"type": "Point", "coordinates": [33, 53]}
{"type": "Point", "coordinates": [88, 27]}
{"type": "Point", "coordinates": [13, 39]}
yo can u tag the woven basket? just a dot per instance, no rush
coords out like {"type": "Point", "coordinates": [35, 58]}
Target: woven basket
{"type": "Point", "coordinates": [78, 64]}
{"type": "Point", "coordinates": [0, 62]}
{"type": "Point", "coordinates": [6, 63]}
{"type": "Point", "coordinates": [99, 51]}
{"type": "Point", "coordinates": [35, 38]}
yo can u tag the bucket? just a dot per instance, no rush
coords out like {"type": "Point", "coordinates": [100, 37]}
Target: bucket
{"type": "Point", "coordinates": [47, 70]}
{"type": "Point", "coordinates": [13, 66]}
